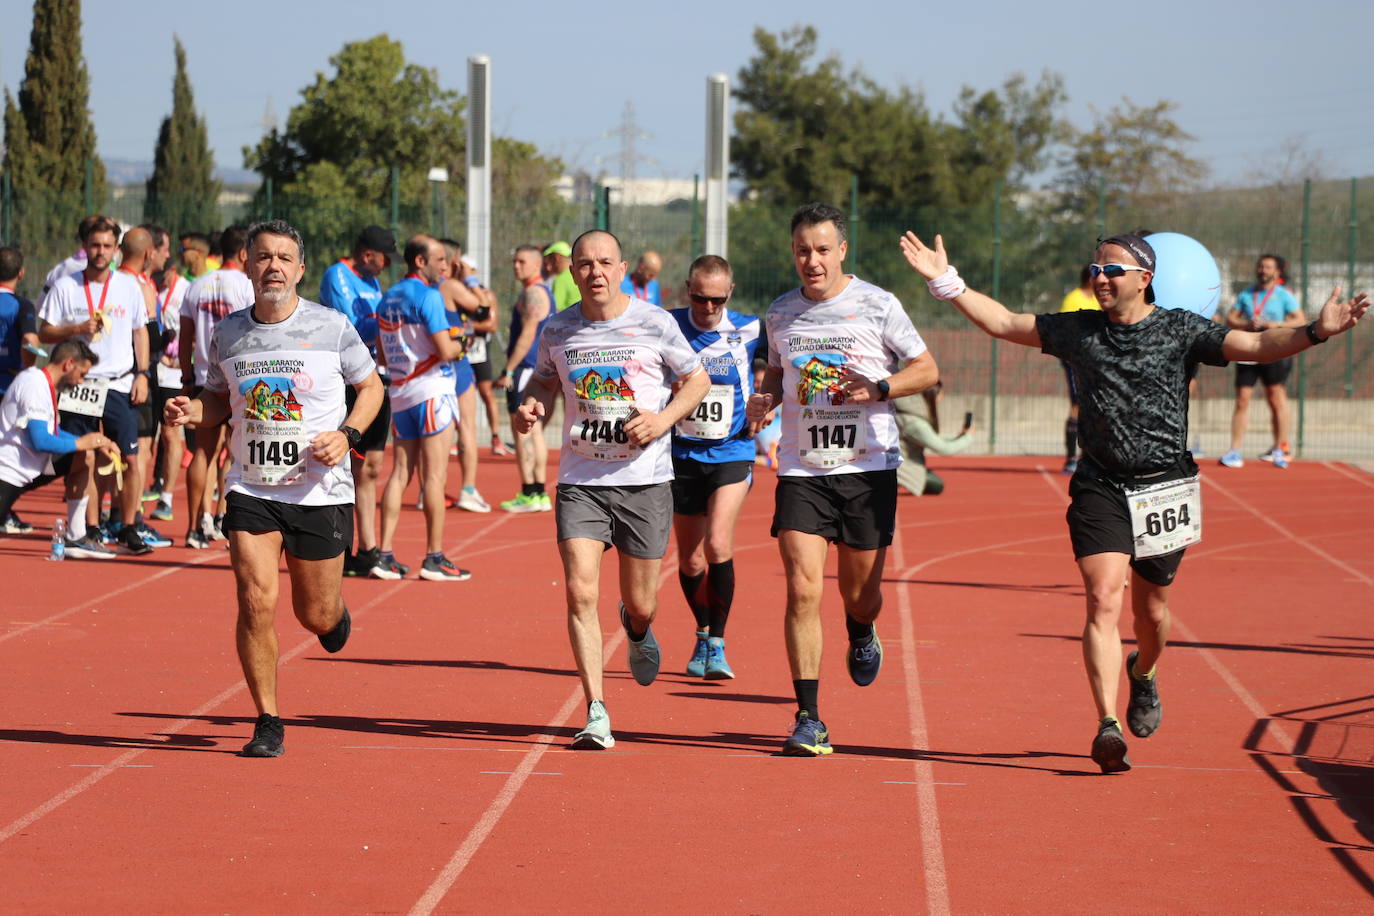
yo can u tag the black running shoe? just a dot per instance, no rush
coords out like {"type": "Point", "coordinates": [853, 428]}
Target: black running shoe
{"type": "Point", "coordinates": [1109, 748]}
{"type": "Point", "coordinates": [268, 736]}
{"type": "Point", "coordinates": [131, 542]}
{"type": "Point", "coordinates": [1143, 713]}
{"type": "Point", "coordinates": [334, 640]}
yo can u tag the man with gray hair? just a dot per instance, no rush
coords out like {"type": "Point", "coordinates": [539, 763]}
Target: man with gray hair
{"type": "Point", "coordinates": [277, 372]}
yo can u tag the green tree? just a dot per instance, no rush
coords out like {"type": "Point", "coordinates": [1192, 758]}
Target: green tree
{"type": "Point", "coordinates": [182, 191]}
{"type": "Point", "coordinates": [49, 138]}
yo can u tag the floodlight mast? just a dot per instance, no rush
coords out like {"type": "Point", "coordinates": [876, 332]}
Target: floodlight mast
{"type": "Point", "coordinates": [478, 242]}
{"type": "Point", "coordinates": [717, 164]}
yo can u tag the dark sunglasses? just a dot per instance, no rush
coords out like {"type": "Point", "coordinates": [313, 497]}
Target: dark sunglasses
{"type": "Point", "coordinates": [702, 300]}
{"type": "Point", "coordinates": [1111, 270]}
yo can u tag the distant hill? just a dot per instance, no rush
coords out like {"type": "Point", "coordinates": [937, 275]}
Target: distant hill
{"type": "Point", "coordinates": [129, 171]}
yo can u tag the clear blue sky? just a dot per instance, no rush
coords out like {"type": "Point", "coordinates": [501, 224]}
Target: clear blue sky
{"type": "Point", "coordinates": [1249, 77]}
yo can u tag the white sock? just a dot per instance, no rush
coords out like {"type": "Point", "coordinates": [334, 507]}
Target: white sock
{"type": "Point", "coordinates": [165, 497]}
{"type": "Point", "coordinates": [76, 518]}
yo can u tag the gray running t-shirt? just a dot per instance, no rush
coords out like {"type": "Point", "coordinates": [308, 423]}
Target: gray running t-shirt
{"type": "Point", "coordinates": [1133, 381]}
{"type": "Point", "coordinates": [286, 384]}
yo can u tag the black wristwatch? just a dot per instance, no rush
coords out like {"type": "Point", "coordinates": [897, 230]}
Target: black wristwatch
{"type": "Point", "coordinates": [883, 388]}
{"type": "Point", "coordinates": [354, 437]}
{"type": "Point", "coordinates": [1312, 334]}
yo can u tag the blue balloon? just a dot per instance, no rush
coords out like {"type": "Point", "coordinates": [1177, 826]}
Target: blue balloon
{"type": "Point", "coordinates": [1186, 274]}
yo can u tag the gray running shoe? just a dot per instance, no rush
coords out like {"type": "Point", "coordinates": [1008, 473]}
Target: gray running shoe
{"type": "Point", "coordinates": [1143, 713]}
{"type": "Point", "coordinates": [643, 652]}
{"type": "Point", "coordinates": [1109, 748]}
{"type": "Point", "coordinates": [597, 735]}
{"type": "Point", "coordinates": [88, 548]}
{"type": "Point", "coordinates": [441, 569]}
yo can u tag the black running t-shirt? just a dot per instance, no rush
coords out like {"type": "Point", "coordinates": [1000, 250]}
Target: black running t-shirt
{"type": "Point", "coordinates": [1133, 381]}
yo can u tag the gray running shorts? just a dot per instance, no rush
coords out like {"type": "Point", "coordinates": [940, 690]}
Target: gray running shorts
{"type": "Point", "coordinates": [637, 520]}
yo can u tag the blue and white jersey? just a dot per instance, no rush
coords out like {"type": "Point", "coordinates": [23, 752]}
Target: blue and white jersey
{"type": "Point", "coordinates": [715, 431]}
{"type": "Point", "coordinates": [410, 314]}
{"type": "Point", "coordinates": [344, 289]}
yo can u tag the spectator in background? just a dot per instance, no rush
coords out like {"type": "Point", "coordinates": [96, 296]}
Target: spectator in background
{"type": "Point", "coordinates": [195, 251]}
{"type": "Point", "coordinates": [642, 283]}
{"type": "Point", "coordinates": [558, 275]}
{"type": "Point", "coordinates": [1267, 304]}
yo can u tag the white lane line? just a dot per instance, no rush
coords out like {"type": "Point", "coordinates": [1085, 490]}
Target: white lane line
{"type": "Point", "coordinates": [1288, 534]}
{"type": "Point", "coordinates": [932, 845]}
{"type": "Point", "coordinates": [1364, 479]}
{"type": "Point", "coordinates": [98, 599]}
{"type": "Point", "coordinates": [122, 760]}
{"type": "Point", "coordinates": [463, 855]}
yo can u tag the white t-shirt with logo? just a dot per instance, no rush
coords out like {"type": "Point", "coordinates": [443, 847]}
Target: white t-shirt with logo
{"type": "Point", "coordinates": [608, 368]}
{"type": "Point", "coordinates": [210, 299]}
{"type": "Point", "coordinates": [125, 311]}
{"type": "Point", "coordinates": [286, 385]}
{"type": "Point", "coordinates": [29, 400]}
{"type": "Point", "coordinates": [169, 307]}
{"type": "Point", "coordinates": [863, 328]}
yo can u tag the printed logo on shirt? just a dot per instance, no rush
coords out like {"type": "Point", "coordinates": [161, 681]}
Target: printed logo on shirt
{"type": "Point", "coordinates": [601, 383]}
{"type": "Point", "coordinates": [269, 398]}
{"type": "Point", "coordinates": [820, 378]}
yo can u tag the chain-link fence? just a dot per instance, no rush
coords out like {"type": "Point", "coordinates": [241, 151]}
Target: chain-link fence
{"type": "Point", "coordinates": [1015, 248]}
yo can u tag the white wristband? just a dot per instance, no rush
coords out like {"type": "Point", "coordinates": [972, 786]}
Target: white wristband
{"type": "Point", "coordinates": [948, 285]}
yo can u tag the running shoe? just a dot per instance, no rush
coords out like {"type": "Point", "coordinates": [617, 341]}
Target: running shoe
{"type": "Point", "coordinates": [500, 449]}
{"type": "Point", "coordinates": [162, 512]}
{"type": "Point", "coordinates": [150, 495]}
{"type": "Point", "coordinates": [717, 668]}
{"type": "Point", "coordinates": [1232, 459]}
{"type": "Point", "coordinates": [1070, 465]}
{"type": "Point", "coordinates": [441, 569]}
{"type": "Point", "coordinates": [334, 640]}
{"type": "Point", "coordinates": [362, 562]}
{"type": "Point", "coordinates": [597, 735]}
{"type": "Point", "coordinates": [88, 548]}
{"type": "Point", "coordinates": [16, 525]}
{"type": "Point", "coordinates": [107, 530]}
{"type": "Point", "coordinates": [1109, 748]}
{"type": "Point", "coordinates": [151, 536]}
{"type": "Point", "coordinates": [643, 652]}
{"type": "Point", "coordinates": [525, 502]}
{"type": "Point", "coordinates": [388, 568]}
{"type": "Point", "coordinates": [1143, 713]}
{"type": "Point", "coordinates": [865, 660]}
{"type": "Point", "coordinates": [1276, 451]}
{"type": "Point", "coordinates": [129, 541]}
{"type": "Point", "coordinates": [197, 540]}
{"type": "Point", "coordinates": [216, 531]}
{"type": "Point", "coordinates": [268, 738]}
{"type": "Point", "coordinates": [696, 667]}
{"type": "Point", "coordinates": [472, 501]}
{"type": "Point", "coordinates": [809, 738]}
{"type": "Point", "coordinates": [545, 504]}
{"type": "Point", "coordinates": [1281, 461]}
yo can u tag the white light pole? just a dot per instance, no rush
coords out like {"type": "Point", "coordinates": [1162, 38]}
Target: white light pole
{"type": "Point", "coordinates": [717, 164]}
{"type": "Point", "coordinates": [478, 242]}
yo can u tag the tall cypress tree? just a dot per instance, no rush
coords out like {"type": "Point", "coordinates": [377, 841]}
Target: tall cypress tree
{"type": "Point", "coordinates": [49, 137]}
{"type": "Point", "coordinates": [182, 192]}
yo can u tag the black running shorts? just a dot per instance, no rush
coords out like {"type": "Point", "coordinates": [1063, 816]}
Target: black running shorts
{"type": "Point", "coordinates": [1275, 373]}
{"type": "Point", "coordinates": [308, 532]}
{"type": "Point", "coordinates": [1100, 522]}
{"type": "Point", "coordinates": [856, 510]}
{"type": "Point", "coordinates": [694, 482]}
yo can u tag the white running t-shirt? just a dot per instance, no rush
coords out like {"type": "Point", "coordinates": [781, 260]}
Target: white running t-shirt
{"type": "Point", "coordinates": [863, 328]}
{"type": "Point", "coordinates": [608, 368]}
{"type": "Point", "coordinates": [72, 301]}
{"type": "Point", "coordinates": [210, 298]}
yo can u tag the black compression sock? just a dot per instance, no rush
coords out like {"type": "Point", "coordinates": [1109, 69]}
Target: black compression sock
{"type": "Point", "coordinates": [720, 581]}
{"type": "Point", "coordinates": [807, 691]}
{"type": "Point", "coordinates": [691, 590]}
{"type": "Point", "coordinates": [1071, 437]}
{"type": "Point", "coordinates": [858, 632]}
{"type": "Point", "coordinates": [537, 489]}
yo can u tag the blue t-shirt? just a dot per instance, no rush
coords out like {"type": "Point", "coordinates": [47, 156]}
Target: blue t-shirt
{"type": "Point", "coordinates": [15, 314]}
{"type": "Point", "coordinates": [342, 288]}
{"type": "Point", "coordinates": [650, 292]}
{"type": "Point", "coordinates": [727, 353]}
{"type": "Point", "coordinates": [1275, 305]}
{"type": "Point", "coordinates": [411, 313]}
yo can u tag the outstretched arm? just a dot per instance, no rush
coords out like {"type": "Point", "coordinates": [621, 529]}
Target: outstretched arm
{"type": "Point", "coordinates": [1265, 346]}
{"type": "Point", "coordinates": [984, 311]}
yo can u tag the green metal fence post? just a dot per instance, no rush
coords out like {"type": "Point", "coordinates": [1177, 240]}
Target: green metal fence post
{"type": "Point", "coordinates": [1101, 205]}
{"type": "Point", "coordinates": [88, 187]}
{"type": "Point", "coordinates": [5, 208]}
{"type": "Point", "coordinates": [603, 208]}
{"type": "Point", "coordinates": [1352, 238]}
{"type": "Point", "coordinates": [267, 193]}
{"type": "Point", "coordinates": [996, 294]}
{"type": "Point", "coordinates": [854, 223]}
{"type": "Point", "coordinates": [696, 215]}
{"type": "Point", "coordinates": [1302, 357]}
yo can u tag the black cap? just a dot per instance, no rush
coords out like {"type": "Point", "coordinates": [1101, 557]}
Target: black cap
{"type": "Point", "coordinates": [375, 238]}
{"type": "Point", "coordinates": [1140, 250]}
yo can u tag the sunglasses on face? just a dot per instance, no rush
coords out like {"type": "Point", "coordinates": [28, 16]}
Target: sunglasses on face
{"type": "Point", "coordinates": [1111, 270]}
{"type": "Point", "coordinates": [702, 300]}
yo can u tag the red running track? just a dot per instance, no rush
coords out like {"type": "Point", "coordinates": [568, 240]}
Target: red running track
{"type": "Point", "coordinates": [426, 767]}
